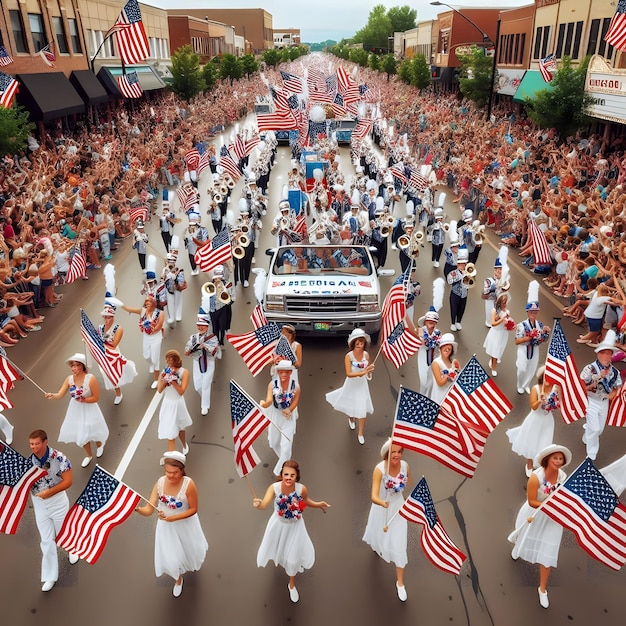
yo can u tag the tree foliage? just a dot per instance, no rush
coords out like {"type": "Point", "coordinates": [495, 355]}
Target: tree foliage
{"type": "Point", "coordinates": [475, 76]}
{"type": "Point", "coordinates": [564, 106]}
{"type": "Point", "coordinates": [389, 65]}
{"type": "Point", "coordinates": [421, 72]}
{"type": "Point", "coordinates": [271, 57]}
{"type": "Point", "coordinates": [382, 23]}
{"type": "Point", "coordinates": [374, 62]}
{"type": "Point", "coordinates": [231, 67]}
{"type": "Point", "coordinates": [15, 127]}
{"type": "Point", "coordinates": [405, 71]}
{"type": "Point", "coordinates": [249, 64]}
{"type": "Point", "coordinates": [402, 18]}
{"type": "Point", "coordinates": [359, 56]}
{"type": "Point", "coordinates": [187, 79]}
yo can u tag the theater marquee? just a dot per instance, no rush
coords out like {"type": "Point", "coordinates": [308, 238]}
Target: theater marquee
{"type": "Point", "coordinates": [607, 87]}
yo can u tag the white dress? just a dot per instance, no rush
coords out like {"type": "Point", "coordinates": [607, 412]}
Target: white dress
{"type": "Point", "coordinates": [497, 338]}
{"type": "Point", "coordinates": [84, 422]}
{"type": "Point", "coordinates": [286, 541]}
{"type": "Point", "coordinates": [535, 433]}
{"type": "Point", "coordinates": [391, 546]}
{"type": "Point", "coordinates": [353, 397]}
{"type": "Point", "coordinates": [179, 546]}
{"type": "Point", "coordinates": [129, 371]}
{"type": "Point", "coordinates": [438, 393]}
{"type": "Point", "coordinates": [539, 541]}
{"type": "Point", "coordinates": [282, 430]}
{"type": "Point", "coordinates": [173, 416]}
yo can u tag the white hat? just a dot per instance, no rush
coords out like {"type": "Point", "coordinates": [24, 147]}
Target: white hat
{"type": "Point", "coordinates": [284, 365]}
{"type": "Point", "coordinates": [463, 255]}
{"type": "Point", "coordinates": [175, 455]}
{"type": "Point", "coordinates": [468, 215]}
{"type": "Point", "coordinates": [78, 357]}
{"type": "Point", "coordinates": [384, 450]}
{"type": "Point", "coordinates": [358, 333]}
{"type": "Point", "coordinates": [431, 315]}
{"type": "Point", "coordinates": [194, 217]}
{"type": "Point", "coordinates": [551, 449]}
{"type": "Point", "coordinates": [608, 343]}
{"type": "Point", "coordinates": [284, 205]}
{"type": "Point", "coordinates": [438, 213]}
{"type": "Point", "coordinates": [218, 271]}
{"type": "Point", "coordinates": [447, 339]}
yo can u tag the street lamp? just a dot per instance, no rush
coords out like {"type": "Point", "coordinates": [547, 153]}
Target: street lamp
{"type": "Point", "coordinates": [486, 40]}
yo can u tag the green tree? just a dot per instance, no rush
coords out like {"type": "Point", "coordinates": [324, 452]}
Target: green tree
{"type": "Point", "coordinates": [210, 74]}
{"type": "Point", "coordinates": [421, 72]}
{"type": "Point", "coordinates": [231, 67]}
{"type": "Point", "coordinates": [402, 18]}
{"type": "Point", "coordinates": [359, 56]}
{"type": "Point", "coordinates": [405, 71]}
{"type": "Point", "coordinates": [475, 76]}
{"type": "Point", "coordinates": [187, 80]}
{"type": "Point", "coordinates": [389, 65]}
{"type": "Point", "coordinates": [271, 57]}
{"type": "Point", "coordinates": [374, 62]}
{"type": "Point", "coordinates": [377, 30]}
{"type": "Point", "coordinates": [249, 64]}
{"type": "Point", "coordinates": [15, 127]}
{"type": "Point", "coordinates": [565, 104]}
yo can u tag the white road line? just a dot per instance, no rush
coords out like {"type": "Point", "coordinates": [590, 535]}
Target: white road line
{"type": "Point", "coordinates": [136, 440]}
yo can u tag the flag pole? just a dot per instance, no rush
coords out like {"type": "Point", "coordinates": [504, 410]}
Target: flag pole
{"type": "Point", "coordinates": [250, 486]}
{"type": "Point", "coordinates": [121, 482]}
{"type": "Point", "coordinates": [243, 391]}
{"type": "Point", "coordinates": [24, 374]}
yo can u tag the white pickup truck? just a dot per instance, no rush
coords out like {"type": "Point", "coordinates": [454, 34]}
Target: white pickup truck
{"type": "Point", "coordinates": [322, 290]}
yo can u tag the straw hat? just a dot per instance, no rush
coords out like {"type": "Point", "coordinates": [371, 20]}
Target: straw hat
{"type": "Point", "coordinates": [78, 357]}
{"type": "Point", "coordinates": [175, 455]}
{"type": "Point", "coordinates": [358, 333]}
{"type": "Point", "coordinates": [551, 449]}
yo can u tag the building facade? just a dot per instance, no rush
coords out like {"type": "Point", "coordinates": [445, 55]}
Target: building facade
{"type": "Point", "coordinates": [286, 37]}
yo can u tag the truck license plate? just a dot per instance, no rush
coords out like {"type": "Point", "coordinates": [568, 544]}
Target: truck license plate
{"type": "Point", "coordinates": [321, 326]}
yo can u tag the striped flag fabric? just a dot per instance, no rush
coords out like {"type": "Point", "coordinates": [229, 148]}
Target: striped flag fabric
{"type": "Point", "coordinates": [17, 475]}
{"type": "Point", "coordinates": [5, 57]}
{"type": "Point", "coordinates": [248, 422]}
{"type": "Point", "coordinates": [393, 309]}
{"type": "Point", "coordinates": [587, 505]}
{"type": "Point", "coordinates": [8, 89]}
{"type": "Point", "coordinates": [541, 249]}
{"type": "Point", "coordinates": [417, 181]}
{"type": "Point", "coordinates": [300, 226]}
{"type": "Point", "coordinates": [616, 34]}
{"type": "Point", "coordinates": [192, 159]}
{"type": "Point", "coordinates": [545, 65]}
{"type": "Point", "coordinates": [283, 349]}
{"type": "Point", "coordinates": [77, 268]}
{"type": "Point", "coordinates": [214, 252]}
{"type": "Point", "coordinates": [338, 107]}
{"type": "Point", "coordinates": [138, 213]}
{"type": "Point", "coordinates": [400, 344]}
{"type": "Point", "coordinates": [228, 163]}
{"type": "Point", "coordinates": [421, 427]}
{"type": "Point", "coordinates": [346, 86]}
{"type": "Point", "coordinates": [238, 147]}
{"type": "Point", "coordinates": [8, 375]}
{"type": "Point", "coordinates": [363, 128]}
{"type": "Point", "coordinates": [104, 504]}
{"type": "Point", "coordinates": [437, 545]}
{"type": "Point", "coordinates": [187, 196]}
{"type": "Point", "coordinates": [251, 144]}
{"type": "Point", "coordinates": [617, 409]}
{"type": "Point", "coordinates": [256, 347]}
{"type": "Point", "coordinates": [399, 172]}
{"type": "Point", "coordinates": [111, 361]}
{"type": "Point", "coordinates": [204, 164]}
{"type": "Point", "coordinates": [257, 317]}
{"type": "Point", "coordinates": [129, 85]}
{"type": "Point", "coordinates": [291, 82]}
{"type": "Point", "coordinates": [130, 36]}
{"type": "Point", "coordinates": [47, 56]}
{"type": "Point", "coordinates": [561, 370]}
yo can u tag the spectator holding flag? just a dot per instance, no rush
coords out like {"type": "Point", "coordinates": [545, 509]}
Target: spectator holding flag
{"type": "Point", "coordinates": [179, 543]}
{"type": "Point", "coordinates": [387, 536]}
{"type": "Point", "coordinates": [84, 421]}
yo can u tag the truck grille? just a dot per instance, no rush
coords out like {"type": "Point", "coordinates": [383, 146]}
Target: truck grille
{"type": "Point", "coordinates": [335, 304]}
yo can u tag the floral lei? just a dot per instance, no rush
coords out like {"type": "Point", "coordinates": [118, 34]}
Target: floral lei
{"type": "Point", "coordinates": [290, 506]}
{"type": "Point", "coordinates": [395, 483]}
{"type": "Point", "coordinates": [76, 392]}
{"type": "Point", "coordinates": [170, 502]}
{"type": "Point", "coordinates": [548, 487]}
{"type": "Point", "coordinates": [431, 341]}
{"type": "Point", "coordinates": [146, 325]}
{"type": "Point", "coordinates": [551, 402]}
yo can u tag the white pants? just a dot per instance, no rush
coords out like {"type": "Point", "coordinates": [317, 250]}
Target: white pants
{"type": "Point", "coordinates": [49, 515]}
{"type": "Point", "coordinates": [152, 350]}
{"type": "Point", "coordinates": [174, 306]}
{"type": "Point", "coordinates": [425, 373]}
{"type": "Point", "coordinates": [202, 381]}
{"type": "Point", "coordinates": [526, 368]}
{"type": "Point", "coordinates": [597, 412]}
{"type": "Point", "coordinates": [7, 428]}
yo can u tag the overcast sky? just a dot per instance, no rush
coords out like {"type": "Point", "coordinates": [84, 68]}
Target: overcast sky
{"type": "Point", "coordinates": [319, 20]}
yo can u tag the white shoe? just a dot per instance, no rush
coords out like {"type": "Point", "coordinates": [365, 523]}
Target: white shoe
{"type": "Point", "coordinates": [73, 558]}
{"type": "Point", "coordinates": [178, 589]}
{"type": "Point", "coordinates": [186, 449]}
{"type": "Point", "coordinates": [520, 390]}
{"type": "Point", "coordinates": [253, 260]}
{"type": "Point", "coordinates": [351, 423]}
{"type": "Point", "coordinates": [453, 327]}
{"type": "Point", "coordinates": [494, 373]}
{"type": "Point", "coordinates": [527, 389]}
{"type": "Point", "coordinates": [99, 451]}
{"type": "Point", "coordinates": [246, 283]}
{"type": "Point", "coordinates": [118, 399]}
{"type": "Point", "coordinates": [435, 263]}
{"type": "Point", "coordinates": [154, 384]}
{"type": "Point", "coordinates": [361, 439]}
{"type": "Point", "coordinates": [194, 272]}
{"type": "Point", "coordinates": [543, 598]}
{"type": "Point", "coordinates": [458, 326]}
{"type": "Point", "coordinates": [204, 412]}
{"type": "Point", "coordinates": [293, 593]}
{"type": "Point", "coordinates": [528, 471]}
{"type": "Point", "coordinates": [86, 461]}
{"type": "Point", "coordinates": [401, 592]}
{"type": "Point", "coordinates": [47, 585]}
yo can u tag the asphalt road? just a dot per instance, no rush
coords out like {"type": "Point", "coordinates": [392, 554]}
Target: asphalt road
{"type": "Point", "coordinates": [349, 583]}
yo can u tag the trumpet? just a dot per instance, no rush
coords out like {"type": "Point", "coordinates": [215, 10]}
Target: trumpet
{"type": "Point", "coordinates": [388, 220]}
{"type": "Point", "coordinates": [244, 229]}
{"type": "Point", "coordinates": [470, 270]}
{"type": "Point", "coordinates": [385, 230]}
{"type": "Point", "coordinates": [468, 280]}
{"type": "Point", "coordinates": [403, 242]}
{"type": "Point", "coordinates": [418, 236]}
{"type": "Point", "coordinates": [223, 296]}
{"type": "Point", "coordinates": [446, 227]}
{"type": "Point", "coordinates": [208, 289]}
{"type": "Point", "coordinates": [218, 198]}
{"type": "Point", "coordinates": [479, 235]}
{"type": "Point", "coordinates": [223, 189]}
{"type": "Point", "coordinates": [230, 183]}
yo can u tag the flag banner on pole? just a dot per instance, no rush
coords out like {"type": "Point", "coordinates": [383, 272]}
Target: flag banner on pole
{"type": "Point", "coordinates": [283, 349]}
{"type": "Point", "coordinates": [111, 361]}
{"type": "Point", "coordinates": [346, 86]}
{"type": "Point", "coordinates": [616, 34]}
{"type": "Point", "coordinates": [362, 128]}
{"type": "Point", "coordinates": [5, 57]}
{"type": "Point", "coordinates": [47, 56]}
{"type": "Point", "coordinates": [421, 427]}
{"type": "Point", "coordinates": [587, 505]}
{"type": "Point", "coordinates": [545, 65]}
{"type": "Point", "coordinates": [204, 164]}
{"type": "Point", "coordinates": [251, 144]}
{"type": "Point", "coordinates": [561, 370]}
{"type": "Point", "coordinates": [248, 422]}
{"type": "Point", "coordinates": [238, 147]}
{"type": "Point", "coordinates": [617, 408]}
{"type": "Point", "coordinates": [77, 268]}
{"type": "Point", "coordinates": [291, 82]}
{"type": "Point", "coordinates": [229, 165]}
{"type": "Point", "coordinates": [399, 172]}
{"type": "Point", "coordinates": [258, 317]}
{"type": "Point", "coordinates": [17, 476]}
{"type": "Point", "coordinates": [8, 89]}
{"type": "Point", "coordinates": [417, 181]}
{"type": "Point", "coordinates": [187, 196]}
{"type": "Point", "coordinates": [541, 249]}
{"type": "Point", "coordinates": [400, 344]}
{"type": "Point", "coordinates": [215, 252]}
{"type": "Point", "coordinates": [192, 159]}
{"type": "Point", "coordinates": [138, 213]}
{"type": "Point", "coordinates": [256, 347]}
{"type": "Point", "coordinates": [104, 504]}
{"type": "Point", "coordinates": [8, 375]}
{"type": "Point", "coordinates": [129, 85]}
{"type": "Point", "coordinates": [437, 545]}
{"type": "Point", "coordinates": [130, 36]}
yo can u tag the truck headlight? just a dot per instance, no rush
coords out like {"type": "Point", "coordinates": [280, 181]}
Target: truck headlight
{"type": "Point", "coordinates": [369, 303]}
{"type": "Point", "coordinates": [275, 303]}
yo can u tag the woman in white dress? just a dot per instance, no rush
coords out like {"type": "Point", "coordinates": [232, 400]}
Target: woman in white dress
{"type": "Point", "coordinates": [386, 532]}
{"type": "Point", "coordinates": [174, 416]}
{"type": "Point", "coordinates": [281, 408]}
{"type": "Point", "coordinates": [353, 397]}
{"type": "Point", "coordinates": [84, 421]}
{"type": "Point", "coordinates": [286, 541]}
{"type": "Point", "coordinates": [498, 335]}
{"type": "Point", "coordinates": [445, 368]}
{"type": "Point", "coordinates": [179, 543]}
{"type": "Point", "coordinates": [537, 537]}
{"type": "Point", "coordinates": [537, 430]}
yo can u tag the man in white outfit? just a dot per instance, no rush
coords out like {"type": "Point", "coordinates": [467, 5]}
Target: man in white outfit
{"type": "Point", "coordinates": [529, 334]}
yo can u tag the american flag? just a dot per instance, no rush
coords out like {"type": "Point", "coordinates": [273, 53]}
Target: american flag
{"type": "Point", "coordinates": [437, 545]}
{"type": "Point", "coordinates": [545, 65]}
{"type": "Point", "coordinates": [283, 349]}
{"type": "Point", "coordinates": [248, 423]}
{"type": "Point", "coordinates": [587, 505]}
{"type": "Point", "coordinates": [400, 344]}
{"type": "Point", "coordinates": [215, 252]}
{"type": "Point", "coordinates": [280, 120]}
{"type": "Point", "coordinates": [17, 475]}
{"type": "Point", "coordinates": [238, 147]}
{"type": "Point", "coordinates": [394, 304]}
{"type": "Point", "coordinates": [417, 181]}
{"type": "Point", "coordinates": [192, 159]}
{"type": "Point", "coordinates": [251, 144]}
{"type": "Point", "coordinates": [362, 128]}
{"type": "Point", "coordinates": [187, 196]}
{"type": "Point", "coordinates": [399, 172]}
{"type": "Point", "coordinates": [5, 57]}
{"type": "Point", "coordinates": [8, 375]}
{"type": "Point", "coordinates": [77, 268]}
{"type": "Point", "coordinates": [316, 130]}
{"type": "Point", "coordinates": [204, 164]}
{"type": "Point", "coordinates": [47, 56]}
{"type": "Point", "coordinates": [319, 87]}
{"type": "Point", "coordinates": [104, 503]}
{"type": "Point", "coordinates": [617, 409]}
{"type": "Point", "coordinates": [477, 403]}
{"type": "Point", "coordinates": [8, 89]}
{"type": "Point", "coordinates": [229, 165]}
{"type": "Point", "coordinates": [561, 370]}
{"type": "Point", "coordinates": [258, 317]}
{"type": "Point", "coordinates": [257, 346]}
{"type": "Point", "coordinates": [291, 82]}
{"type": "Point", "coordinates": [138, 213]}
{"type": "Point", "coordinates": [616, 35]}
{"type": "Point", "coordinates": [420, 426]}
{"type": "Point", "coordinates": [331, 83]}
{"type": "Point", "coordinates": [541, 249]}
{"type": "Point", "coordinates": [111, 361]}
{"type": "Point", "coordinates": [130, 35]}
{"type": "Point", "coordinates": [300, 226]}
{"type": "Point", "coordinates": [346, 86]}
{"type": "Point", "coordinates": [129, 85]}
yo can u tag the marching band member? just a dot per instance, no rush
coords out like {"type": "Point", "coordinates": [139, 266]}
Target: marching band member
{"type": "Point", "coordinates": [195, 237]}
{"type": "Point", "coordinates": [174, 279]}
{"type": "Point", "coordinates": [430, 335]}
{"type": "Point", "coordinates": [204, 347]}
{"type": "Point", "coordinates": [284, 223]}
{"type": "Point", "coordinates": [250, 225]}
{"type": "Point", "coordinates": [478, 241]}
{"type": "Point", "coordinates": [221, 311]}
{"type": "Point", "coordinates": [379, 240]}
{"type": "Point", "coordinates": [529, 334]}
{"type": "Point", "coordinates": [408, 224]}
{"type": "Point", "coordinates": [167, 227]}
{"type": "Point", "coordinates": [351, 223]}
{"type": "Point", "coordinates": [341, 202]}
{"type": "Point", "coordinates": [458, 290]}
{"type": "Point", "coordinates": [140, 239]}
{"type": "Point", "coordinates": [437, 235]}
{"type": "Point", "coordinates": [216, 215]}
{"type": "Point", "coordinates": [450, 253]}
{"type": "Point", "coordinates": [490, 285]}
{"type": "Point", "coordinates": [466, 233]}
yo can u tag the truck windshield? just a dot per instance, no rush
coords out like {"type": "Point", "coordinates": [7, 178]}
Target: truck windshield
{"type": "Point", "coordinates": [350, 260]}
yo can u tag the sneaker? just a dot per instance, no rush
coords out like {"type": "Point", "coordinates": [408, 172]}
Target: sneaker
{"type": "Point", "coordinates": [253, 260]}
{"type": "Point", "coordinates": [204, 412]}
{"type": "Point", "coordinates": [543, 598]}
{"type": "Point", "coordinates": [108, 258]}
{"type": "Point", "coordinates": [246, 283]}
{"type": "Point", "coordinates": [118, 399]}
{"type": "Point", "coordinates": [527, 390]}
{"type": "Point", "coordinates": [154, 384]}
{"type": "Point", "coordinates": [453, 327]}
{"type": "Point", "coordinates": [401, 592]}
{"type": "Point", "coordinates": [520, 390]}
{"type": "Point", "coordinates": [351, 424]}
{"type": "Point", "coordinates": [194, 272]}
{"type": "Point", "coordinates": [178, 589]}
{"type": "Point", "coordinates": [34, 329]}
{"type": "Point", "coordinates": [361, 439]}
{"type": "Point", "coordinates": [293, 593]}
{"type": "Point", "coordinates": [435, 263]}
{"type": "Point", "coordinates": [86, 461]}
{"type": "Point", "coordinates": [458, 326]}
{"type": "Point", "coordinates": [494, 373]}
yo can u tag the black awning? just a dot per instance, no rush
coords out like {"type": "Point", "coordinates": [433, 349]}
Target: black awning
{"type": "Point", "coordinates": [89, 87]}
{"type": "Point", "coordinates": [110, 84]}
{"type": "Point", "coordinates": [48, 96]}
